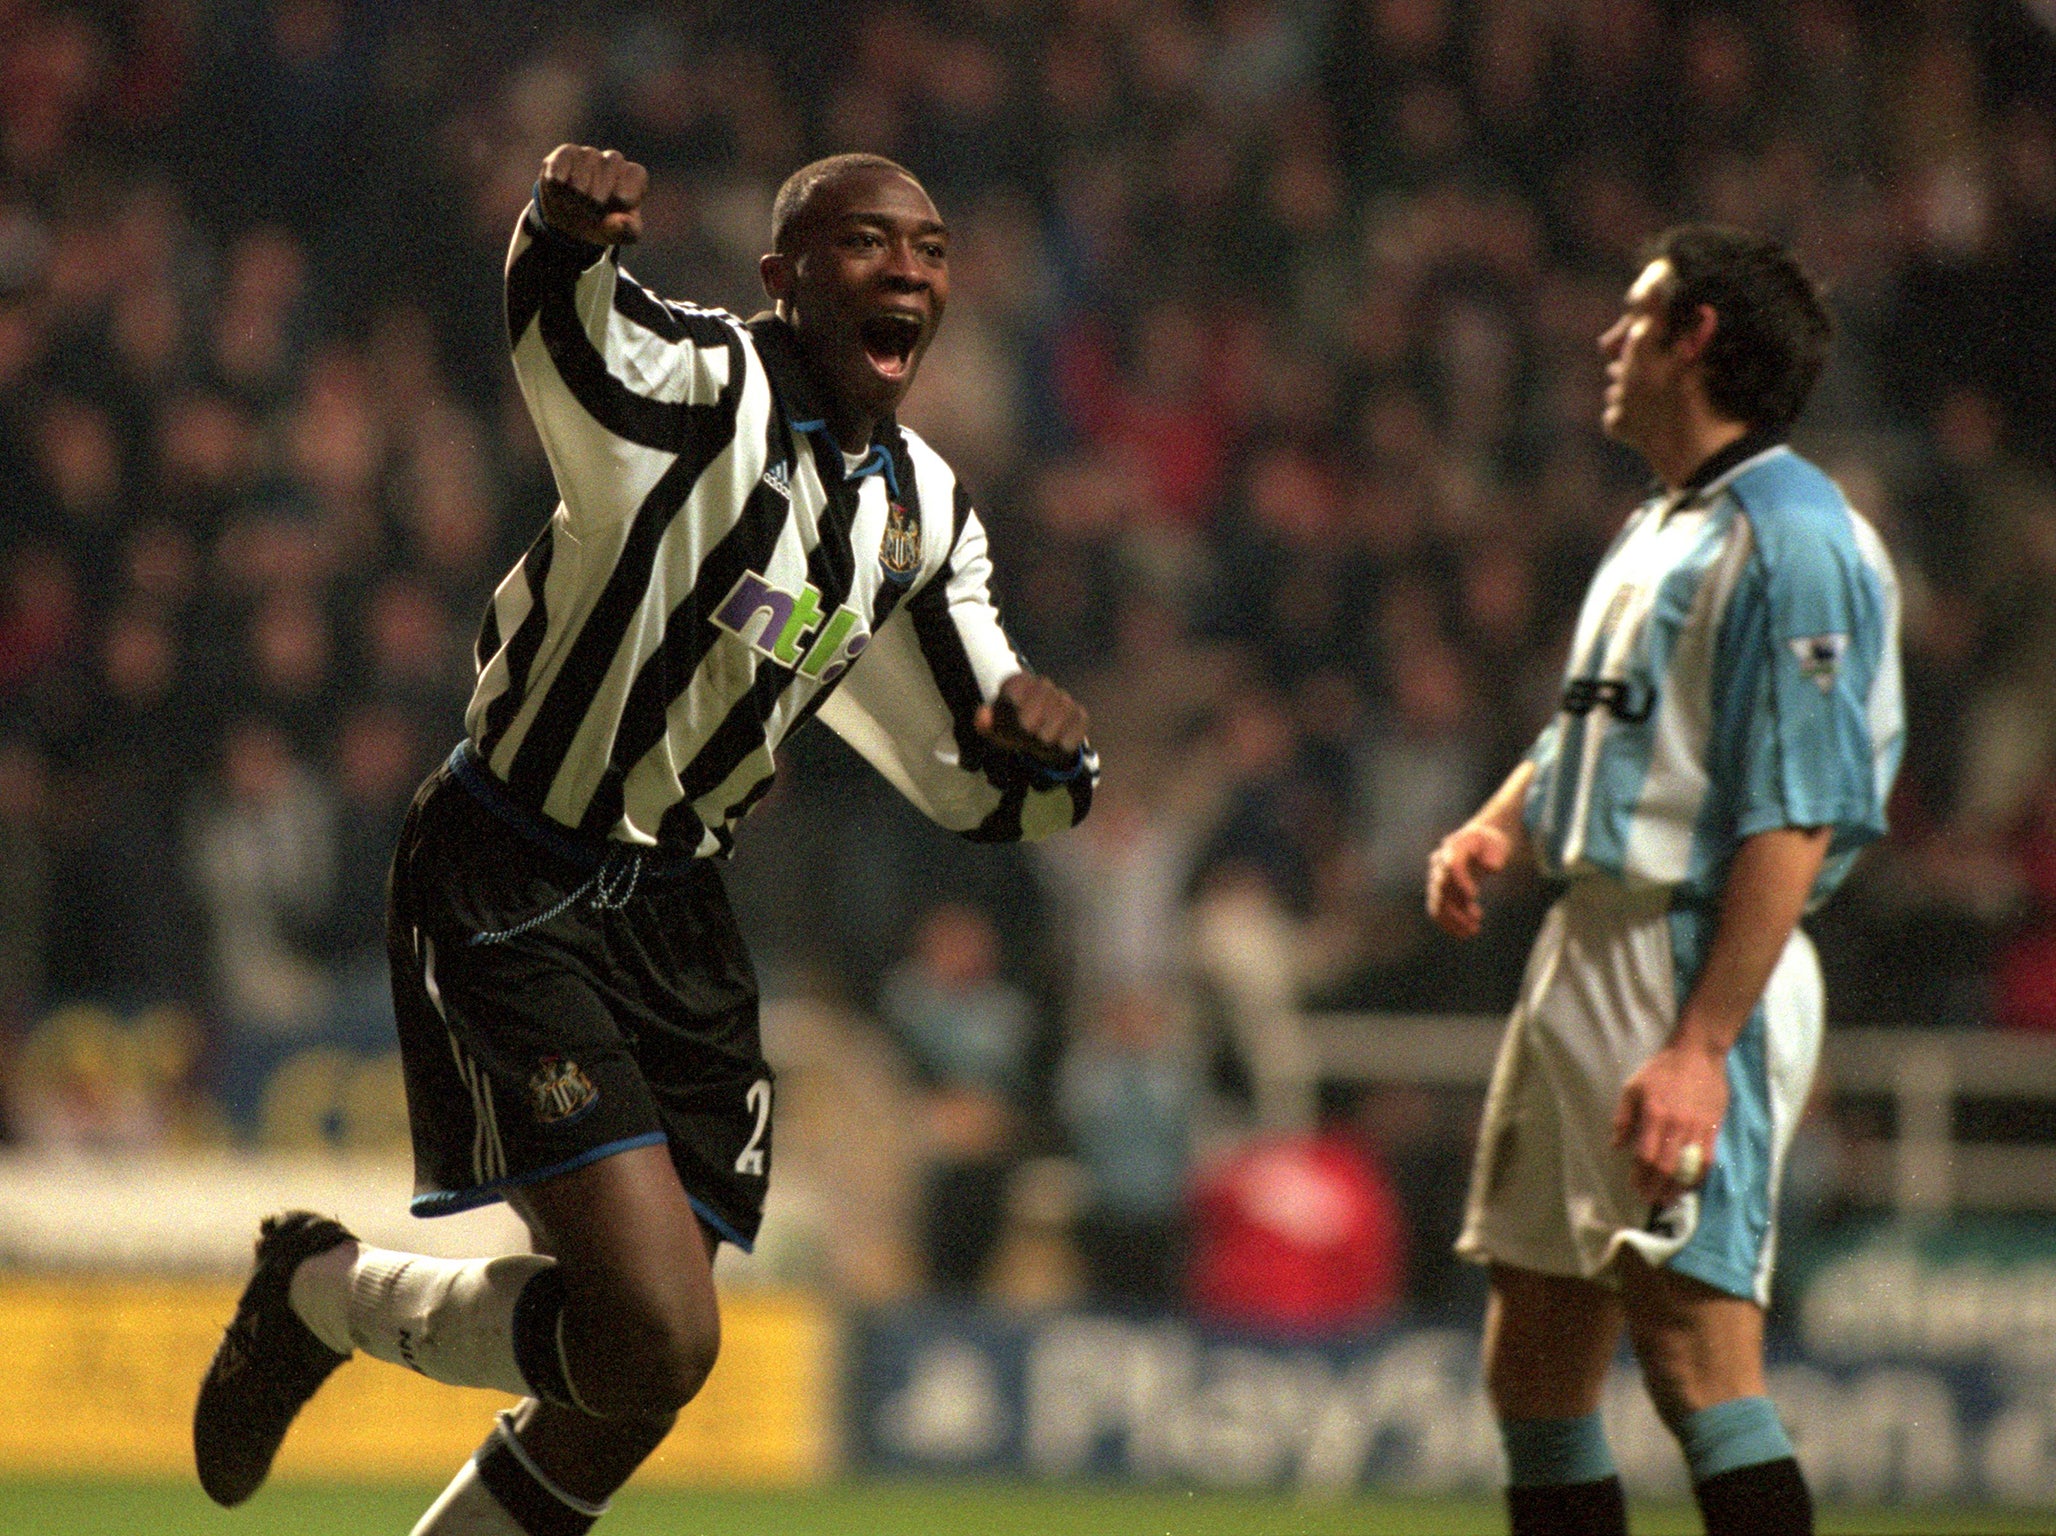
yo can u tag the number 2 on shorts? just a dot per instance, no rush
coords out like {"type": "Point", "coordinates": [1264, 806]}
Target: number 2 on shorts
{"type": "Point", "coordinates": [758, 1100]}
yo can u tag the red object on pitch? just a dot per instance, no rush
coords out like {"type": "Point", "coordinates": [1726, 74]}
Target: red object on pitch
{"type": "Point", "coordinates": [1297, 1235]}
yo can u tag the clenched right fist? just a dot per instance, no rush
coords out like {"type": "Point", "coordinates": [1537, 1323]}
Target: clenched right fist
{"type": "Point", "coordinates": [592, 195]}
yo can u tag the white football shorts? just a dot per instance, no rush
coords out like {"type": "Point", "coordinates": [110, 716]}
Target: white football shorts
{"type": "Point", "coordinates": [1605, 981]}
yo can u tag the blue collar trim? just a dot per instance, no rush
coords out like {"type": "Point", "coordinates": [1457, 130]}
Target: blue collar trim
{"type": "Point", "coordinates": [877, 461]}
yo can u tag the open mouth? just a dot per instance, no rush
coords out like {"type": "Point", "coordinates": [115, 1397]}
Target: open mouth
{"type": "Point", "coordinates": [889, 341]}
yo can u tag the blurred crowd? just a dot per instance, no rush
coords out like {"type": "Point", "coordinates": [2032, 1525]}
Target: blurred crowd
{"type": "Point", "coordinates": [1271, 366]}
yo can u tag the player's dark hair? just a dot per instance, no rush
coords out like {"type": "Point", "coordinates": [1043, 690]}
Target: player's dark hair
{"type": "Point", "coordinates": [1772, 337]}
{"type": "Point", "coordinates": [788, 209]}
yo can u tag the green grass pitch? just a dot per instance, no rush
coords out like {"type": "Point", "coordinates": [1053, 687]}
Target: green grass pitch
{"type": "Point", "coordinates": [868, 1509]}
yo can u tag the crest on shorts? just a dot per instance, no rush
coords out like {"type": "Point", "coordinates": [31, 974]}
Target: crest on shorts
{"type": "Point", "coordinates": [560, 1091]}
{"type": "Point", "coordinates": [1820, 657]}
{"type": "Point", "coordinates": [900, 550]}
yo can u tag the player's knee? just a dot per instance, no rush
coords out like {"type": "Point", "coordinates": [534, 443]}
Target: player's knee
{"type": "Point", "coordinates": [1674, 1373]}
{"type": "Point", "coordinates": [663, 1354]}
{"type": "Point", "coordinates": [1670, 1393]}
{"type": "Point", "coordinates": [1516, 1390]}
{"type": "Point", "coordinates": [689, 1360]}
{"type": "Point", "coordinates": [1548, 1342]}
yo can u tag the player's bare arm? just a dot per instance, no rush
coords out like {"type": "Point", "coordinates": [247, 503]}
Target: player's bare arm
{"type": "Point", "coordinates": [1679, 1097]}
{"type": "Point", "coordinates": [1033, 716]}
{"type": "Point", "coordinates": [1482, 846]}
{"type": "Point", "coordinates": [594, 195]}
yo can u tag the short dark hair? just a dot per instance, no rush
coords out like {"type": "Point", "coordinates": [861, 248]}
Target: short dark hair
{"type": "Point", "coordinates": [1772, 337]}
{"type": "Point", "coordinates": [790, 205]}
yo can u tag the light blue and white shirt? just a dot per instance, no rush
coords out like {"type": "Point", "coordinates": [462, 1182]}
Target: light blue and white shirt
{"type": "Point", "coordinates": [1735, 669]}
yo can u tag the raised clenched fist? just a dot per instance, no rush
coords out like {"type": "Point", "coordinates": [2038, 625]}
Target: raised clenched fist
{"type": "Point", "coordinates": [594, 195]}
{"type": "Point", "coordinates": [1034, 716]}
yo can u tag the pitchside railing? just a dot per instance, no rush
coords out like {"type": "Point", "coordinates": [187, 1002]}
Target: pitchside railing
{"type": "Point", "coordinates": [1931, 1121]}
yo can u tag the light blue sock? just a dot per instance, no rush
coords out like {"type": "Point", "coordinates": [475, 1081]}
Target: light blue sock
{"type": "Point", "coordinates": [1552, 1453]}
{"type": "Point", "coordinates": [1741, 1432]}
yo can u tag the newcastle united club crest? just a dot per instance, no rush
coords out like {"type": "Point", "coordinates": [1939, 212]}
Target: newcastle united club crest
{"type": "Point", "coordinates": [900, 550]}
{"type": "Point", "coordinates": [559, 1091]}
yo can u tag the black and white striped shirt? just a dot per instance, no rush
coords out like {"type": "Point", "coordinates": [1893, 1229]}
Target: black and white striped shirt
{"type": "Point", "coordinates": [716, 573]}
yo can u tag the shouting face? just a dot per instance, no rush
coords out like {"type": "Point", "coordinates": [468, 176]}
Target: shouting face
{"type": "Point", "coordinates": [863, 280]}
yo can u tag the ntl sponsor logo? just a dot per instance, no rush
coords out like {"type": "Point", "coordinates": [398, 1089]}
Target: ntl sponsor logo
{"type": "Point", "coordinates": [775, 624]}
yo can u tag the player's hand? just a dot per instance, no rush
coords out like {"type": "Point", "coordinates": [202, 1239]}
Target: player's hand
{"type": "Point", "coordinates": [1677, 1100]}
{"type": "Point", "coordinates": [592, 195]}
{"type": "Point", "coordinates": [1455, 869]}
{"type": "Point", "coordinates": [1032, 715]}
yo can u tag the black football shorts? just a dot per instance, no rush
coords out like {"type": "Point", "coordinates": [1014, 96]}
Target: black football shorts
{"type": "Point", "coordinates": [557, 1009]}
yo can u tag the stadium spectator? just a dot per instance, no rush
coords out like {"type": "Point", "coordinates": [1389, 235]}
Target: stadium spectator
{"type": "Point", "coordinates": [1128, 1096]}
{"type": "Point", "coordinates": [262, 851]}
{"type": "Point", "coordinates": [125, 905]}
{"type": "Point", "coordinates": [379, 758]}
{"type": "Point", "coordinates": [967, 1031]}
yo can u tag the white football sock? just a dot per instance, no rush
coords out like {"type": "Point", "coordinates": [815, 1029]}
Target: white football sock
{"type": "Point", "coordinates": [467, 1509]}
{"type": "Point", "coordinates": [450, 1319]}
{"type": "Point", "coordinates": [534, 1503]}
{"type": "Point", "coordinates": [320, 1294]}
